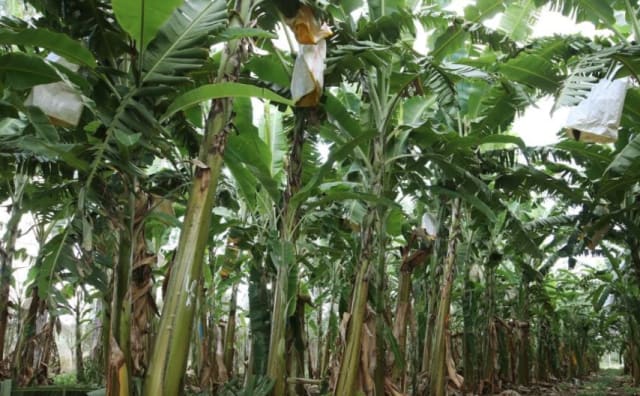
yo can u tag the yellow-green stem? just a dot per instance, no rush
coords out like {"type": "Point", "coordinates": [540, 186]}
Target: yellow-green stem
{"type": "Point", "coordinates": [171, 348]}
{"type": "Point", "coordinates": [230, 332]}
{"type": "Point", "coordinates": [276, 363]}
{"type": "Point", "coordinates": [119, 379]}
{"type": "Point", "coordinates": [438, 357]}
{"type": "Point", "coordinates": [7, 250]}
{"type": "Point", "coordinates": [276, 366]}
{"type": "Point", "coordinates": [169, 357]}
{"type": "Point", "coordinates": [350, 363]}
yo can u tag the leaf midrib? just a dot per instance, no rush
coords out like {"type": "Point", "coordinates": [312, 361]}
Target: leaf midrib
{"type": "Point", "coordinates": [521, 18]}
{"type": "Point", "coordinates": [176, 42]}
{"type": "Point", "coordinates": [531, 73]}
{"type": "Point", "coordinates": [437, 51]}
{"type": "Point", "coordinates": [31, 72]}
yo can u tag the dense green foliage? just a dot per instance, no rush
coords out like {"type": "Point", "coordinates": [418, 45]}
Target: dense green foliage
{"type": "Point", "coordinates": [397, 238]}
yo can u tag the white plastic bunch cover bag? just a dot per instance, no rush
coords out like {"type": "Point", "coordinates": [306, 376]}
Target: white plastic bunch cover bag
{"type": "Point", "coordinates": [597, 117]}
{"type": "Point", "coordinates": [308, 71]}
{"type": "Point", "coordinates": [429, 225]}
{"type": "Point", "coordinates": [59, 101]}
{"type": "Point", "coordinates": [308, 74]}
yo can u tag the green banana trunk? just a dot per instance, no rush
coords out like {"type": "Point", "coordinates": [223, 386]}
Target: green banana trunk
{"type": "Point", "coordinates": [25, 350]}
{"type": "Point", "coordinates": [78, 336]}
{"type": "Point", "coordinates": [372, 237]}
{"type": "Point", "coordinates": [470, 341]}
{"type": "Point", "coordinates": [119, 381]}
{"type": "Point", "coordinates": [259, 316]}
{"type": "Point", "coordinates": [171, 348]}
{"type": "Point", "coordinates": [350, 363]}
{"type": "Point", "coordinates": [7, 248]}
{"type": "Point", "coordinates": [438, 357]}
{"type": "Point", "coordinates": [348, 376]}
{"type": "Point", "coordinates": [230, 333]}
{"type": "Point", "coordinates": [276, 363]}
{"type": "Point", "coordinates": [410, 261]}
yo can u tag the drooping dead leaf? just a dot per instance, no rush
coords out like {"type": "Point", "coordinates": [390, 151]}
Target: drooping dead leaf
{"type": "Point", "coordinates": [223, 373]}
{"type": "Point", "coordinates": [117, 370]}
{"type": "Point", "coordinates": [491, 374]}
{"type": "Point", "coordinates": [343, 326]}
{"type": "Point", "coordinates": [391, 389]}
{"type": "Point", "coordinates": [162, 205]}
{"type": "Point", "coordinates": [456, 378]}
{"type": "Point", "coordinates": [368, 353]}
{"type": "Point", "coordinates": [141, 289]}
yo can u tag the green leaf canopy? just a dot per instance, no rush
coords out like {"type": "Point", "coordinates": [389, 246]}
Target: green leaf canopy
{"type": "Point", "coordinates": [59, 43]}
{"type": "Point", "coordinates": [222, 90]}
{"type": "Point", "coordinates": [142, 19]}
{"type": "Point", "coordinates": [22, 71]}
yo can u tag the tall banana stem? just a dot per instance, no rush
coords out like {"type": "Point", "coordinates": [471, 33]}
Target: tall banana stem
{"type": "Point", "coordinates": [119, 378]}
{"type": "Point", "coordinates": [7, 249]}
{"type": "Point", "coordinates": [438, 356]}
{"type": "Point", "coordinates": [169, 358]}
{"type": "Point", "coordinates": [276, 363]}
{"type": "Point", "coordinates": [348, 375]}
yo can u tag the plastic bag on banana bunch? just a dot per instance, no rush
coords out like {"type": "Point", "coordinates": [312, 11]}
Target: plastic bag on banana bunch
{"type": "Point", "coordinates": [308, 71]}
{"type": "Point", "coordinates": [308, 74]}
{"type": "Point", "coordinates": [597, 117]}
{"type": "Point", "coordinates": [59, 101]}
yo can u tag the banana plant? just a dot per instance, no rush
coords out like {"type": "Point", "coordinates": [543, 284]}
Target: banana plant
{"type": "Point", "coordinates": [430, 130]}
{"type": "Point", "coordinates": [157, 42]}
{"type": "Point", "coordinates": [9, 238]}
{"type": "Point", "coordinates": [170, 353]}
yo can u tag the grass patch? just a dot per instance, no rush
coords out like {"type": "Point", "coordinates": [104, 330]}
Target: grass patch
{"type": "Point", "coordinates": [608, 382]}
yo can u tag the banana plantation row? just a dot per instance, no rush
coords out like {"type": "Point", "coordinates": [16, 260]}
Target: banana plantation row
{"type": "Point", "coordinates": [355, 215]}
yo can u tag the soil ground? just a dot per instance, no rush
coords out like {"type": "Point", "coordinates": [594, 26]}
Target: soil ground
{"type": "Point", "coordinates": [604, 383]}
